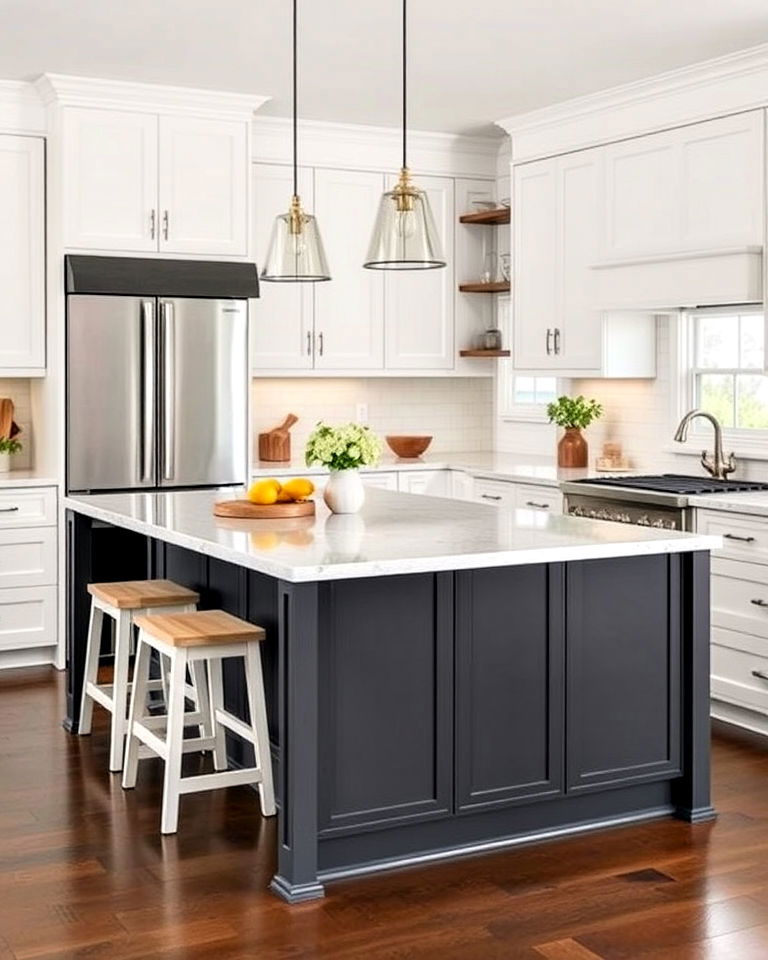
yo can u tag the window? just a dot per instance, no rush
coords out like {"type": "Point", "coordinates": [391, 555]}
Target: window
{"type": "Point", "coordinates": [728, 353]}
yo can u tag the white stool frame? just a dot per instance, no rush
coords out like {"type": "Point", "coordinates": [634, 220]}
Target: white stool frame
{"type": "Point", "coordinates": [142, 728]}
{"type": "Point", "coordinates": [114, 696]}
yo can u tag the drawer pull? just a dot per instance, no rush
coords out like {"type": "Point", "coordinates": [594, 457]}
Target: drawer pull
{"type": "Point", "coordinates": [538, 506]}
{"type": "Point", "coordinates": [9, 510]}
{"type": "Point", "coordinates": [760, 674]}
{"type": "Point", "coordinates": [490, 496]}
{"type": "Point", "coordinates": [732, 536]}
{"type": "Point", "coordinates": [760, 603]}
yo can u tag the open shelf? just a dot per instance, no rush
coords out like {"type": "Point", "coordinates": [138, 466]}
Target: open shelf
{"type": "Point", "coordinates": [483, 353]}
{"type": "Point", "coordinates": [500, 287]}
{"type": "Point", "coordinates": [490, 218]}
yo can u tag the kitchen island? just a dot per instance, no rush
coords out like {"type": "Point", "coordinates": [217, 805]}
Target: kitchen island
{"type": "Point", "coordinates": [442, 677]}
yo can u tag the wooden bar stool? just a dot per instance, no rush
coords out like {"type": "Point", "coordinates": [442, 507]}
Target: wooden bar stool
{"type": "Point", "coordinates": [123, 601]}
{"type": "Point", "coordinates": [187, 639]}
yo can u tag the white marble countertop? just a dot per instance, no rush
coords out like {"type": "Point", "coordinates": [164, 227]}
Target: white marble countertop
{"type": "Point", "coordinates": [26, 478]}
{"type": "Point", "coordinates": [522, 468]}
{"type": "Point", "coordinates": [754, 502]}
{"type": "Point", "coordinates": [395, 533]}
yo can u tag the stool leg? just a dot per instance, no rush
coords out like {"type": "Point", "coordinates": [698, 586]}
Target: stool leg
{"type": "Point", "coordinates": [257, 708]}
{"type": "Point", "coordinates": [202, 700]}
{"type": "Point", "coordinates": [136, 712]}
{"type": "Point", "coordinates": [93, 649]}
{"type": "Point", "coordinates": [174, 743]}
{"type": "Point", "coordinates": [216, 687]}
{"type": "Point", "coordinates": [123, 630]}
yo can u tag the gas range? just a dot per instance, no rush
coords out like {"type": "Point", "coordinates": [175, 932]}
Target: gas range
{"type": "Point", "coordinates": [649, 501]}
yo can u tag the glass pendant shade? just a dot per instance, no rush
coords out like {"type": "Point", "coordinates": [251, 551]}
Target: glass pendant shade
{"type": "Point", "coordinates": [404, 236]}
{"type": "Point", "coordinates": [295, 253]}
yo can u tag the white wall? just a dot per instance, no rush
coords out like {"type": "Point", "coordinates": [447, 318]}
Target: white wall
{"type": "Point", "coordinates": [19, 392]}
{"type": "Point", "coordinates": [457, 412]}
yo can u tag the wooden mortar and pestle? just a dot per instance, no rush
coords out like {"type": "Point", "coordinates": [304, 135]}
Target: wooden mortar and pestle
{"type": "Point", "coordinates": [275, 445]}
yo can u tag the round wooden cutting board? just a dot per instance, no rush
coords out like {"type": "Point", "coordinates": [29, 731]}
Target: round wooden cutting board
{"type": "Point", "coordinates": [245, 510]}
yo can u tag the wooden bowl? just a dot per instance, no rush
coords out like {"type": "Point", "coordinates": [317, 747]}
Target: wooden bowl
{"type": "Point", "coordinates": [408, 448]}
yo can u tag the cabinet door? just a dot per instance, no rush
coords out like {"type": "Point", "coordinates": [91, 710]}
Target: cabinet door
{"type": "Point", "coordinates": [418, 319]}
{"type": "Point", "coordinates": [22, 259]}
{"type": "Point", "coordinates": [203, 186]}
{"type": "Point", "coordinates": [110, 168]}
{"type": "Point", "coordinates": [281, 319]}
{"type": "Point", "coordinates": [577, 342]}
{"type": "Point", "coordinates": [349, 310]}
{"type": "Point", "coordinates": [623, 675]}
{"type": "Point", "coordinates": [535, 263]}
{"type": "Point", "coordinates": [434, 483]}
{"type": "Point", "coordinates": [509, 682]}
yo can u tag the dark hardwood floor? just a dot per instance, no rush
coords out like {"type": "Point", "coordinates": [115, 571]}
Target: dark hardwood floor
{"type": "Point", "coordinates": [85, 873]}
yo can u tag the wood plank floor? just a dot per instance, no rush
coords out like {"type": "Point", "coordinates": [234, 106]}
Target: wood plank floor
{"type": "Point", "coordinates": [85, 873]}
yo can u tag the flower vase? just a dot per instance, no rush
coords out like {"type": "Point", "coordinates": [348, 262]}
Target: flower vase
{"type": "Point", "coordinates": [572, 449]}
{"type": "Point", "coordinates": [344, 492]}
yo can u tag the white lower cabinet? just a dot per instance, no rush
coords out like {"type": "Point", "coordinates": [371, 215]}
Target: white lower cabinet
{"type": "Point", "coordinates": [384, 481]}
{"type": "Point", "coordinates": [435, 483]}
{"type": "Point", "coordinates": [28, 568]}
{"type": "Point", "coordinates": [521, 496]}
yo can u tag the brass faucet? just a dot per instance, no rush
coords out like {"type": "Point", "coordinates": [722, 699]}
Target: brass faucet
{"type": "Point", "coordinates": [717, 466]}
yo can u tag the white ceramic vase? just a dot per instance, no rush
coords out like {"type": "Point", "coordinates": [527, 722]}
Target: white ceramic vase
{"type": "Point", "coordinates": [344, 492]}
{"type": "Point", "coordinates": [5, 462]}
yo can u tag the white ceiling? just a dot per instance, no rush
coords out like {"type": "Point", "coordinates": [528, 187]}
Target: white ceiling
{"type": "Point", "coordinates": [471, 62]}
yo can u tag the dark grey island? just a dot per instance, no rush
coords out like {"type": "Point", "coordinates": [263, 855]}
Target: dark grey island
{"type": "Point", "coordinates": [442, 677]}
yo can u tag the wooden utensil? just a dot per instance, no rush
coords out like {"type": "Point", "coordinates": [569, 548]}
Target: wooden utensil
{"type": "Point", "coordinates": [275, 445]}
{"type": "Point", "coordinates": [245, 510]}
{"type": "Point", "coordinates": [6, 418]}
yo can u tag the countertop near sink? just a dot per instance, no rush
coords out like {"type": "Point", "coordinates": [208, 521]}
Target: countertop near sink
{"type": "Point", "coordinates": [26, 478]}
{"type": "Point", "coordinates": [754, 502]}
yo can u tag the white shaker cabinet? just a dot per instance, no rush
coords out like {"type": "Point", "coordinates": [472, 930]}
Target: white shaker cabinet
{"type": "Point", "coordinates": [22, 264]}
{"type": "Point", "coordinates": [282, 318]}
{"type": "Point", "coordinates": [419, 304]}
{"type": "Point", "coordinates": [149, 183]}
{"type": "Point", "coordinates": [349, 310]}
{"type": "Point", "coordinates": [111, 177]}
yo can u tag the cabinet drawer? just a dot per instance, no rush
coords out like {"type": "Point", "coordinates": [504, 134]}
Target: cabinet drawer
{"type": "Point", "coordinates": [27, 618]}
{"type": "Point", "coordinates": [740, 677]}
{"type": "Point", "coordinates": [544, 499]}
{"type": "Point", "coordinates": [740, 604]}
{"type": "Point", "coordinates": [28, 507]}
{"type": "Point", "coordinates": [494, 491]}
{"type": "Point", "coordinates": [28, 557]}
{"type": "Point", "coordinates": [432, 482]}
{"type": "Point", "coordinates": [385, 481]}
{"type": "Point", "coordinates": [744, 537]}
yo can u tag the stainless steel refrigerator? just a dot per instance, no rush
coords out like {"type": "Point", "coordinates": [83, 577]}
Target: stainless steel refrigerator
{"type": "Point", "coordinates": [157, 389]}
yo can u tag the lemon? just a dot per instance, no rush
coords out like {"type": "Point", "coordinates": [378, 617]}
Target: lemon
{"type": "Point", "coordinates": [264, 492]}
{"type": "Point", "coordinates": [299, 488]}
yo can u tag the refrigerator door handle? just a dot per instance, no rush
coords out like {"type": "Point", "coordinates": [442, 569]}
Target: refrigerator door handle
{"type": "Point", "coordinates": [169, 387]}
{"type": "Point", "coordinates": [149, 350]}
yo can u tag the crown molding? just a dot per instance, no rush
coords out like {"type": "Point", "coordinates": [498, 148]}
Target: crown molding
{"type": "Point", "coordinates": [364, 147]}
{"type": "Point", "coordinates": [20, 109]}
{"type": "Point", "coordinates": [724, 85]}
{"type": "Point", "coordinates": [56, 88]}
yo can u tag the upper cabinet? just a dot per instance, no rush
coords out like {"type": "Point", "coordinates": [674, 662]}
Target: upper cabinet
{"type": "Point", "coordinates": [695, 188]}
{"type": "Point", "coordinates": [22, 264]}
{"type": "Point", "coordinates": [143, 182]}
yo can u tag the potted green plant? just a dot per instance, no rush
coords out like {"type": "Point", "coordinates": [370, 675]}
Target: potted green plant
{"type": "Point", "coordinates": [343, 449]}
{"type": "Point", "coordinates": [8, 445]}
{"type": "Point", "coordinates": [574, 414]}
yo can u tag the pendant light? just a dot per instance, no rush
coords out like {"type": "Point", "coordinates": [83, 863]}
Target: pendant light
{"type": "Point", "coordinates": [295, 253]}
{"type": "Point", "coordinates": [404, 235]}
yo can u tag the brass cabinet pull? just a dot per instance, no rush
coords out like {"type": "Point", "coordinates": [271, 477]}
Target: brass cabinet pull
{"type": "Point", "coordinates": [732, 536]}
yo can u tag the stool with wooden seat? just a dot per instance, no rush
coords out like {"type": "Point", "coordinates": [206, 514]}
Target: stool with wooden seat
{"type": "Point", "coordinates": [187, 639]}
{"type": "Point", "coordinates": [123, 601]}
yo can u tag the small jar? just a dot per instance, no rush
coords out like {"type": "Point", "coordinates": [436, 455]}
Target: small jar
{"type": "Point", "coordinates": [492, 339]}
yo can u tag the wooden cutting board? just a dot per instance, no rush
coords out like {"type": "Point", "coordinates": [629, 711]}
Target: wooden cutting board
{"type": "Point", "coordinates": [245, 510]}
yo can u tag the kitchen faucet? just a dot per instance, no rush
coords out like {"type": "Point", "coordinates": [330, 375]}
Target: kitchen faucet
{"type": "Point", "coordinates": [716, 466]}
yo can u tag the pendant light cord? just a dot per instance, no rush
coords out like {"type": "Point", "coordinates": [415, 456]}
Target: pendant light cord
{"type": "Point", "coordinates": [405, 82]}
{"type": "Point", "coordinates": [295, 109]}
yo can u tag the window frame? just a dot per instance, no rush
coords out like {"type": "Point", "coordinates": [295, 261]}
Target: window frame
{"type": "Point", "coordinates": [746, 442]}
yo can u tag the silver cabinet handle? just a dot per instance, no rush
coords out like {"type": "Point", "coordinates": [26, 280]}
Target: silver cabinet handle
{"type": "Point", "coordinates": [557, 340]}
{"type": "Point", "coordinates": [169, 388]}
{"type": "Point", "coordinates": [165, 224]}
{"type": "Point", "coordinates": [539, 506]}
{"type": "Point", "coordinates": [760, 675]}
{"type": "Point", "coordinates": [490, 496]}
{"type": "Point", "coordinates": [732, 536]}
{"type": "Point", "coordinates": [152, 224]}
{"type": "Point", "coordinates": [149, 348]}
{"type": "Point", "coordinates": [320, 338]}
{"type": "Point", "coordinates": [9, 510]}
{"type": "Point", "coordinates": [309, 343]}
{"type": "Point", "coordinates": [549, 345]}
{"type": "Point", "coordinates": [759, 603]}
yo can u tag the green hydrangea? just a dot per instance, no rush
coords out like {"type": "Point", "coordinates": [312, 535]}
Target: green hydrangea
{"type": "Point", "coordinates": [346, 447]}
